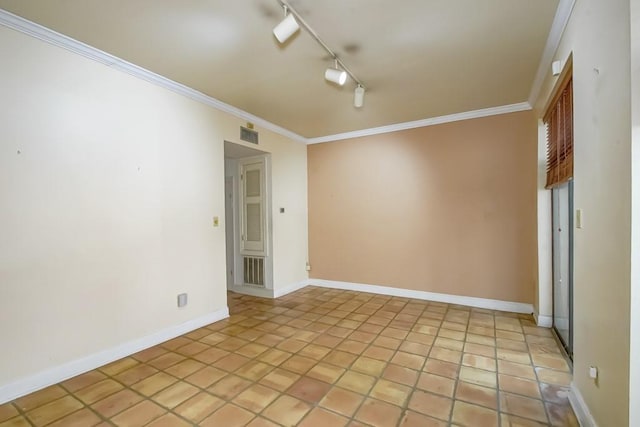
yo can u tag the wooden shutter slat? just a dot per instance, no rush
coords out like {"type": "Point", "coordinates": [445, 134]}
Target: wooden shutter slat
{"type": "Point", "coordinates": [559, 121]}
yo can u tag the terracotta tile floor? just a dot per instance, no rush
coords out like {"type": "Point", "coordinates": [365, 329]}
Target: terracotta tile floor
{"type": "Point", "coordinates": [321, 357]}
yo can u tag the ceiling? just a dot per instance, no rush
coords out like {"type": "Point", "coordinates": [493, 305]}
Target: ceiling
{"type": "Point", "coordinates": [237, 151]}
{"type": "Point", "coordinates": [418, 58]}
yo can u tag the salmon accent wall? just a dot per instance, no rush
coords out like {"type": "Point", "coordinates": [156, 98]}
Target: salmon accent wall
{"type": "Point", "coordinates": [448, 208]}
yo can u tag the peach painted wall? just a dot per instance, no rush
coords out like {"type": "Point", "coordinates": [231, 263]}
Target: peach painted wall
{"type": "Point", "coordinates": [449, 208]}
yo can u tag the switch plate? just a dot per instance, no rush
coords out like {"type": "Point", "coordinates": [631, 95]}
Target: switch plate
{"type": "Point", "coordinates": [216, 221]}
{"type": "Point", "coordinates": [308, 267]}
{"type": "Point", "coordinates": [593, 372]}
{"type": "Point", "coordinates": [578, 218]}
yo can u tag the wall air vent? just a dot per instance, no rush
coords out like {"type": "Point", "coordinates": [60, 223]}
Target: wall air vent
{"type": "Point", "coordinates": [253, 270]}
{"type": "Point", "coordinates": [248, 135]}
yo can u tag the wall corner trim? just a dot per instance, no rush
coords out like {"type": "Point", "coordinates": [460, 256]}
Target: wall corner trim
{"type": "Point", "coordinates": [580, 407]}
{"type": "Point", "coordinates": [560, 21]}
{"type": "Point", "coordinates": [542, 320]}
{"type": "Point", "coordinates": [26, 385]}
{"type": "Point", "coordinates": [490, 304]}
{"type": "Point", "coordinates": [47, 35]}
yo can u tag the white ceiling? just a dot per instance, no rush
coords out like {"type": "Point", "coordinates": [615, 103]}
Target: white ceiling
{"type": "Point", "coordinates": [418, 58]}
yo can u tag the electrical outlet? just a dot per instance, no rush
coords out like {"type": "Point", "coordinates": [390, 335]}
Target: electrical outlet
{"type": "Point", "coordinates": [182, 300]}
{"type": "Point", "coordinates": [308, 267]}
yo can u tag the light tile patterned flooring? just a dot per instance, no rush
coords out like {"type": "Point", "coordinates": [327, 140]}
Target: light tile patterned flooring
{"type": "Point", "coordinates": [327, 358]}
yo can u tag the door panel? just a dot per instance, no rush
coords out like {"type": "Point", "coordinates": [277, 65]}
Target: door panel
{"type": "Point", "coordinates": [562, 202]}
{"type": "Point", "coordinates": [252, 175]}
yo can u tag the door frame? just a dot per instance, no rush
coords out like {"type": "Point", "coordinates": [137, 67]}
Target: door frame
{"type": "Point", "coordinates": [230, 228]}
{"type": "Point", "coordinates": [232, 168]}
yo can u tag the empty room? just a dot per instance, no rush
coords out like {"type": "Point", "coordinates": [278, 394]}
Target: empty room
{"type": "Point", "coordinates": [309, 213]}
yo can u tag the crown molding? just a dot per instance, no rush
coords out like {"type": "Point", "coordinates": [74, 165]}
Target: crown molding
{"type": "Point", "coordinates": [486, 112]}
{"type": "Point", "coordinates": [45, 34]}
{"type": "Point", "coordinates": [560, 21]}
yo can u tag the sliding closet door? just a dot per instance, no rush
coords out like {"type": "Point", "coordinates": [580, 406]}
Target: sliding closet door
{"type": "Point", "coordinates": [562, 197]}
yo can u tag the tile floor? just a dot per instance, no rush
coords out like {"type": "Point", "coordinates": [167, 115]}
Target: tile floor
{"type": "Point", "coordinates": [321, 357]}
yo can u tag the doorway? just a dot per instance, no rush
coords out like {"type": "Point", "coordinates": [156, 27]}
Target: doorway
{"type": "Point", "coordinates": [562, 225]}
{"type": "Point", "coordinates": [249, 258]}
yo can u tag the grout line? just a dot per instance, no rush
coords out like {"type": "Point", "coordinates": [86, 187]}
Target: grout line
{"type": "Point", "coordinates": [22, 413]}
{"type": "Point", "coordinates": [337, 307]}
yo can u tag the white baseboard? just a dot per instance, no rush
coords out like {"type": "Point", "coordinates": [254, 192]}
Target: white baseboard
{"type": "Point", "coordinates": [580, 408]}
{"type": "Point", "coordinates": [23, 386]}
{"type": "Point", "coordinates": [268, 293]}
{"type": "Point", "coordinates": [542, 320]}
{"type": "Point", "coordinates": [277, 293]}
{"type": "Point", "coordinates": [490, 304]}
{"type": "Point", "coordinates": [254, 291]}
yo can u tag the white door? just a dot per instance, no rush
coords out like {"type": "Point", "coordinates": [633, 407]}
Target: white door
{"type": "Point", "coordinates": [252, 177]}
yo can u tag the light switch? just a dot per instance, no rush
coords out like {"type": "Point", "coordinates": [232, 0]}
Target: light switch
{"type": "Point", "coordinates": [578, 218]}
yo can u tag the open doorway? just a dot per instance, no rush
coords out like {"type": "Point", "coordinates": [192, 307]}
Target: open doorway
{"type": "Point", "coordinates": [248, 220]}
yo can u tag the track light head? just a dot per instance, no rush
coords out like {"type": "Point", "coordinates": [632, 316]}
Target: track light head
{"type": "Point", "coordinates": [286, 28]}
{"type": "Point", "coordinates": [358, 97]}
{"type": "Point", "coordinates": [336, 76]}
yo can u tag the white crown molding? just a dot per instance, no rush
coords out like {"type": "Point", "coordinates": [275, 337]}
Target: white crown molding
{"type": "Point", "coordinates": [490, 304]}
{"type": "Point", "coordinates": [23, 386]}
{"type": "Point", "coordinates": [486, 112]}
{"type": "Point", "coordinates": [47, 35]}
{"type": "Point", "coordinates": [560, 21]}
{"type": "Point", "coordinates": [580, 408]}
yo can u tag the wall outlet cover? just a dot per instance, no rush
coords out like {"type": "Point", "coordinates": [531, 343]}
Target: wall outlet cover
{"type": "Point", "coordinates": [182, 300]}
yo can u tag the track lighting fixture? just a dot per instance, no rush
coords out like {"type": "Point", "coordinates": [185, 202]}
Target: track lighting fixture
{"type": "Point", "coordinates": [287, 27]}
{"type": "Point", "coordinates": [336, 75]}
{"type": "Point", "coordinates": [339, 73]}
{"type": "Point", "coordinates": [358, 97]}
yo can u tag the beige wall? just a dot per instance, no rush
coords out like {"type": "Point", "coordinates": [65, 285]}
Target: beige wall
{"type": "Point", "coordinates": [448, 208]}
{"type": "Point", "coordinates": [107, 210]}
{"type": "Point", "coordinates": [598, 35]}
{"type": "Point", "coordinates": [634, 355]}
